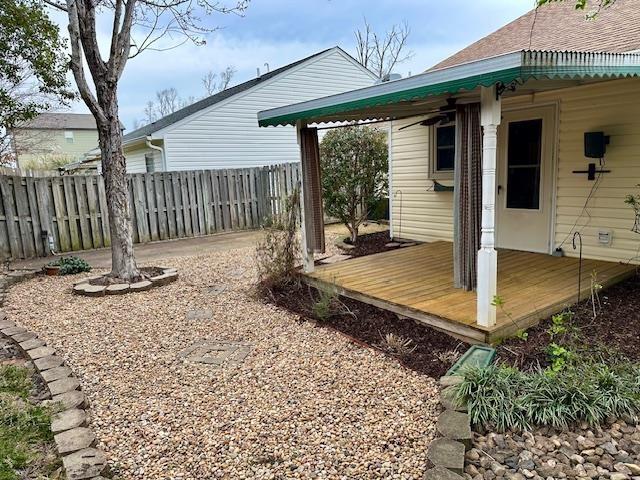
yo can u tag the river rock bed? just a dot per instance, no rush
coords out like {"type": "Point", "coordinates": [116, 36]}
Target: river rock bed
{"type": "Point", "coordinates": [611, 452]}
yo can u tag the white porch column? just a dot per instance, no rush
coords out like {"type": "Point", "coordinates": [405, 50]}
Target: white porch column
{"type": "Point", "coordinates": [490, 113]}
{"type": "Point", "coordinates": [308, 264]}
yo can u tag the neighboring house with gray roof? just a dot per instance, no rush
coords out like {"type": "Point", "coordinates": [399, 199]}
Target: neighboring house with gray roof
{"type": "Point", "coordinates": [52, 139]}
{"type": "Point", "coordinates": [220, 131]}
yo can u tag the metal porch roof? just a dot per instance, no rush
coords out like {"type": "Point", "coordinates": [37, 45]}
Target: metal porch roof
{"type": "Point", "coordinates": [374, 102]}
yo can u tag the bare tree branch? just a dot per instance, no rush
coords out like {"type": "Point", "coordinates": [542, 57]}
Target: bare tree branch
{"type": "Point", "coordinates": [381, 54]}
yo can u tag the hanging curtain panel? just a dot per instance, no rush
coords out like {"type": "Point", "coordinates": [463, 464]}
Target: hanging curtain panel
{"type": "Point", "coordinates": [312, 186]}
{"type": "Point", "coordinates": [467, 196]}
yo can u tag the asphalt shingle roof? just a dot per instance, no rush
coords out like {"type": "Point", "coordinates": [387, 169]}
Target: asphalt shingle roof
{"type": "Point", "coordinates": [559, 26]}
{"type": "Point", "coordinates": [62, 121]}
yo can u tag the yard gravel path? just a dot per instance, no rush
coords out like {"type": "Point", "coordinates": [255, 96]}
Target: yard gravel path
{"type": "Point", "coordinates": [306, 403]}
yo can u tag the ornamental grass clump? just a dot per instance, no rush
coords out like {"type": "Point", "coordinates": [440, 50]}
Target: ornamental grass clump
{"type": "Point", "coordinates": [502, 398]}
{"type": "Point", "coordinates": [278, 250]}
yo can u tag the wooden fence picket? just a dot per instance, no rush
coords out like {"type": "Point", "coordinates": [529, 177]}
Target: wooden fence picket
{"type": "Point", "coordinates": [164, 205]}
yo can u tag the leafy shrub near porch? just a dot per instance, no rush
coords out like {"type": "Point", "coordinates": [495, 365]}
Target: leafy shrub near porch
{"type": "Point", "coordinates": [278, 250]}
{"type": "Point", "coordinates": [502, 398]}
{"type": "Point", "coordinates": [71, 265]}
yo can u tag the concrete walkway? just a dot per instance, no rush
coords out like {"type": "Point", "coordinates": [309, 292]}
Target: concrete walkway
{"type": "Point", "coordinates": [152, 251]}
{"type": "Point", "coordinates": [184, 247]}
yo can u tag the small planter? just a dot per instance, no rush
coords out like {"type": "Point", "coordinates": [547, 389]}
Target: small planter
{"type": "Point", "coordinates": [52, 270]}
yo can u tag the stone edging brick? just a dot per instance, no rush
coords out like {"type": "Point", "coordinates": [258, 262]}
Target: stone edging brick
{"type": "Point", "coordinates": [74, 441]}
{"type": "Point", "coordinates": [83, 287]}
{"type": "Point", "coordinates": [447, 452]}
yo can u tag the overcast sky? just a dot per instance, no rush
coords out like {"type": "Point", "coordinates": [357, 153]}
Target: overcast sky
{"type": "Point", "coordinates": [279, 32]}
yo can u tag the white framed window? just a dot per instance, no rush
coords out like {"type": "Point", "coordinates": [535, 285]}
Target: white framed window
{"type": "Point", "coordinates": [149, 163]}
{"type": "Point", "coordinates": [442, 141]}
{"type": "Point", "coordinates": [68, 136]}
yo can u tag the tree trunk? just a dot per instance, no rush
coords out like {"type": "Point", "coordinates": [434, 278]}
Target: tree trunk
{"type": "Point", "coordinates": [114, 170]}
{"type": "Point", "coordinates": [353, 230]}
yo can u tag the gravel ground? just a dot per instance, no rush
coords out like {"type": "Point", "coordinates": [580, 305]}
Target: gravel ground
{"type": "Point", "coordinates": [306, 403]}
{"type": "Point", "coordinates": [612, 452]}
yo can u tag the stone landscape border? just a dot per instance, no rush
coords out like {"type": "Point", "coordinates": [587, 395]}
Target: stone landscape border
{"type": "Point", "coordinates": [447, 452]}
{"type": "Point", "coordinates": [84, 287]}
{"type": "Point", "coordinates": [74, 441]}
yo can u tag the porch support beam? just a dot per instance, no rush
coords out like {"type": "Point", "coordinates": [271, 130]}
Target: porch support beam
{"type": "Point", "coordinates": [308, 264]}
{"type": "Point", "coordinates": [491, 112]}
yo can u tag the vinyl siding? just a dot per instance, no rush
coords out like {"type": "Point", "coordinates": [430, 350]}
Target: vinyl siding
{"type": "Point", "coordinates": [612, 107]}
{"type": "Point", "coordinates": [419, 213]}
{"type": "Point", "coordinates": [51, 144]}
{"type": "Point", "coordinates": [136, 159]}
{"type": "Point", "coordinates": [227, 135]}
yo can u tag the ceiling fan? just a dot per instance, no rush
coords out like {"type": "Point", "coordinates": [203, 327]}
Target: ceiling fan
{"type": "Point", "coordinates": [445, 114]}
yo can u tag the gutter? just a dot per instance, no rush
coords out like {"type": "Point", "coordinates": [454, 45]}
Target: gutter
{"type": "Point", "coordinates": [159, 149]}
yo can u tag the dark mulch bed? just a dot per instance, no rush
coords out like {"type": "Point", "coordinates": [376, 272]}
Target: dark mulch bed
{"type": "Point", "coordinates": [614, 332]}
{"type": "Point", "coordinates": [371, 243]}
{"type": "Point", "coordinates": [435, 352]}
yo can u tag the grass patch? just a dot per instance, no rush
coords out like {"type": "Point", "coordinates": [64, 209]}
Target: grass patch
{"type": "Point", "coordinates": [502, 398]}
{"type": "Point", "coordinates": [25, 434]}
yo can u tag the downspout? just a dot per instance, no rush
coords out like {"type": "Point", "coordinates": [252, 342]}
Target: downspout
{"type": "Point", "coordinates": [159, 149]}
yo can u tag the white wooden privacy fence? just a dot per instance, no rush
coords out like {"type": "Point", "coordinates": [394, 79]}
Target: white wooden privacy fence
{"type": "Point", "coordinates": [164, 205]}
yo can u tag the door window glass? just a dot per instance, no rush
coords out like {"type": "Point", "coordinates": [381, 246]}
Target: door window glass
{"type": "Point", "coordinates": [524, 157]}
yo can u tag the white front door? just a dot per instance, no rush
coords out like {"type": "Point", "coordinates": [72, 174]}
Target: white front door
{"type": "Point", "coordinates": [525, 172]}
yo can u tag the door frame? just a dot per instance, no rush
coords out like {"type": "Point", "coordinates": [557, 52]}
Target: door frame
{"type": "Point", "coordinates": [554, 108]}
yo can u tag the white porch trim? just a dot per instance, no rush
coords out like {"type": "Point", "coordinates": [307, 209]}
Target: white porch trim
{"type": "Point", "coordinates": [308, 264]}
{"type": "Point", "coordinates": [490, 117]}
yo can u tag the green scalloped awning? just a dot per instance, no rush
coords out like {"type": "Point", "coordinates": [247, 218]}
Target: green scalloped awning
{"type": "Point", "coordinates": [518, 66]}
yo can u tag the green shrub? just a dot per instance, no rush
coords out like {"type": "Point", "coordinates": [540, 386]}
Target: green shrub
{"type": "Point", "coordinates": [70, 265]}
{"type": "Point", "coordinates": [502, 398]}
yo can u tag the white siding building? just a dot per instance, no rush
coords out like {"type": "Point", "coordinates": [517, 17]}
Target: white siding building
{"type": "Point", "coordinates": [222, 131]}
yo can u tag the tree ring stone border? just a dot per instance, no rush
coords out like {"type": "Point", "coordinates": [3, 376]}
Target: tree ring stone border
{"type": "Point", "coordinates": [85, 288]}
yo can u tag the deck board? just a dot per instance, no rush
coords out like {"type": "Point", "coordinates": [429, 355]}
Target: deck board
{"type": "Point", "coordinates": [417, 281]}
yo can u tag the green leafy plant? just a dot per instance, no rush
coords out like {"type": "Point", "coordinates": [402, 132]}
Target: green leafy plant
{"type": "Point", "coordinates": [278, 250]}
{"type": "Point", "coordinates": [354, 173]}
{"type": "Point", "coordinates": [25, 432]}
{"type": "Point", "coordinates": [522, 335]}
{"type": "Point", "coordinates": [504, 398]}
{"type": "Point", "coordinates": [325, 306]}
{"type": "Point", "coordinates": [71, 265]}
{"type": "Point", "coordinates": [559, 357]}
{"type": "Point", "coordinates": [499, 303]}
{"type": "Point", "coordinates": [560, 323]}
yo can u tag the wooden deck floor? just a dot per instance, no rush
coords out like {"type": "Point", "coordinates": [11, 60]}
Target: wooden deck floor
{"type": "Point", "coordinates": [418, 282]}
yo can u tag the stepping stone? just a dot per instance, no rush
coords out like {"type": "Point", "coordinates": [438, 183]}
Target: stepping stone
{"type": "Point", "coordinates": [68, 420]}
{"type": "Point", "coordinates": [140, 286]}
{"type": "Point", "coordinates": [68, 384]}
{"type": "Point", "coordinates": [69, 400]}
{"type": "Point", "coordinates": [23, 337]}
{"type": "Point", "coordinates": [217, 289]}
{"type": "Point", "coordinates": [392, 244]}
{"type": "Point", "coordinates": [164, 279]}
{"type": "Point", "coordinates": [456, 426]}
{"type": "Point", "coordinates": [13, 331]}
{"type": "Point", "coordinates": [448, 454]}
{"type": "Point", "coordinates": [31, 344]}
{"type": "Point", "coordinates": [40, 352]}
{"type": "Point", "coordinates": [440, 473]}
{"type": "Point", "coordinates": [169, 270]}
{"type": "Point", "coordinates": [87, 463]}
{"type": "Point", "coordinates": [47, 363]}
{"type": "Point", "coordinates": [204, 314]}
{"type": "Point", "coordinates": [75, 439]}
{"type": "Point", "coordinates": [87, 279]}
{"type": "Point", "coordinates": [339, 257]}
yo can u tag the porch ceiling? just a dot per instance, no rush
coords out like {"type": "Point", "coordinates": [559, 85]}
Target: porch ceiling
{"type": "Point", "coordinates": [529, 70]}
